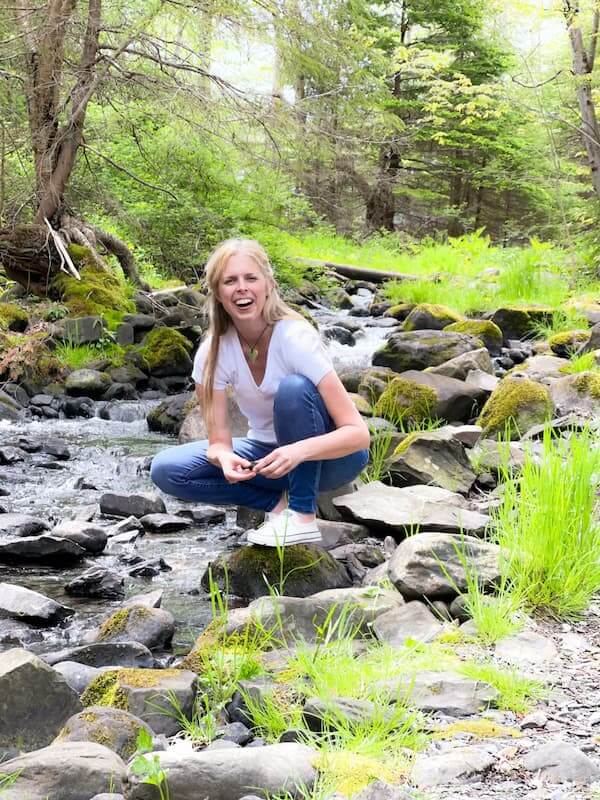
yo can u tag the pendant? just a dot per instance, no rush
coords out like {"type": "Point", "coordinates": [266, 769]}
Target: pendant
{"type": "Point", "coordinates": [252, 354]}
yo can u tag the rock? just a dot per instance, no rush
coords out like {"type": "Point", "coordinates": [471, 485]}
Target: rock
{"type": "Point", "coordinates": [22, 525]}
{"type": "Point", "coordinates": [194, 429]}
{"type": "Point", "coordinates": [11, 455]}
{"type": "Point", "coordinates": [335, 533]}
{"type": "Point", "coordinates": [204, 515]}
{"type": "Point", "coordinates": [434, 458]}
{"type": "Point", "coordinates": [566, 343]}
{"type": "Point", "coordinates": [515, 406]}
{"type": "Point", "coordinates": [228, 774]}
{"type": "Point", "coordinates": [57, 449]}
{"type": "Point", "coordinates": [560, 761]}
{"type": "Point", "coordinates": [164, 523]}
{"type": "Point", "coordinates": [339, 334]}
{"type": "Point", "coordinates": [493, 456]}
{"type": "Point", "coordinates": [249, 571]}
{"type": "Point", "coordinates": [126, 525]}
{"type": "Point", "coordinates": [23, 604]}
{"type": "Point", "coordinates": [431, 317]}
{"type": "Point", "coordinates": [111, 727]}
{"type": "Point", "coordinates": [125, 334]}
{"type": "Point", "coordinates": [484, 329]}
{"type": "Point", "coordinates": [442, 692]}
{"type": "Point", "coordinates": [150, 568]}
{"type": "Point", "coordinates": [80, 330]}
{"type": "Point", "coordinates": [432, 565]}
{"type": "Point", "coordinates": [34, 700]}
{"type": "Point", "coordinates": [152, 627]}
{"type": "Point", "coordinates": [138, 505]}
{"type": "Point", "coordinates": [168, 416]}
{"type": "Point", "coordinates": [537, 719]}
{"type": "Point", "coordinates": [41, 550]}
{"type": "Point", "coordinates": [140, 322]}
{"type": "Point", "coordinates": [78, 407]}
{"type": "Point", "coordinates": [321, 715]}
{"type": "Point", "coordinates": [576, 394]}
{"type": "Point", "coordinates": [97, 582]}
{"type": "Point", "coordinates": [78, 676]}
{"type": "Point", "coordinates": [235, 732]}
{"type": "Point", "coordinates": [117, 391]}
{"type": "Point", "coordinates": [538, 368]}
{"type": "Point", "coordinates": [92, 538]}
{"type": "Point", "coordinates": [518, 322]}
{"type": "Point", "coordinates": [17, 634]}
{"type": "Point", "coordinates": [148, 599]}
{"type": "Point", "coordinates": [388, 509]}
{"type": "Point", "coordinates": [166, 352]}
{"type": "Point", "coordinates": [378, 790]}
{"type": "Point", "coordinates": [413, 622]}
{"type": "Point", "coordinates": [102, 654]}
{"type": "Point", "coordinates": [481, 380]}
{"type": "Point", "coordinates": [417, 350]}
{"type": "Point", "coordinates": [457, 765]}
{"type": "Point", "coordinates": [460, 366]}
{"type": "Point", "coordinates": [468, 435]}
{"type": "Point", "coordinates": [147, 694]}
{"type": "Point", "coordinates": [129, 373]}
{"type": "Point", "coordinates": [526, 648]}
{"type": "Point", "coordinates": [593, 342]}
{"type": "Point", "coordinates": [87, 383]}
{"type": "Point", "coordinates": [68, 771]}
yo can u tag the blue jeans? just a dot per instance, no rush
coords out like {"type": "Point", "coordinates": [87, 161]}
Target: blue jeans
{"type": "Point", "coordinates": [299, 413]}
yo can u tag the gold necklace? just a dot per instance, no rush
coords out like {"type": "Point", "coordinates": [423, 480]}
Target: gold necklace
{"type": "Point", "coordinates": [252, 353]}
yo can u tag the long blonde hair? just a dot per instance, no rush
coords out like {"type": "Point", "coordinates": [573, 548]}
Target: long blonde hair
{"type": "Point", "coordinates": [219, 320]}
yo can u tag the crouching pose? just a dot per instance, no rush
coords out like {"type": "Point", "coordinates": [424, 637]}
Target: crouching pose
{"type": "Point", "coordinates": [305, 434]}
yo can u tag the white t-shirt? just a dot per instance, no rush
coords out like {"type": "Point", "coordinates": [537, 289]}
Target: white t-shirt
{"type": "Point", "coordinates": [295, 347]}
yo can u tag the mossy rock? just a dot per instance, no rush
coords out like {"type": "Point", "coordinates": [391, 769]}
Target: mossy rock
{"type": "Point", "coordinates": [577, 394]}
{"type": "Point", "coordinates": [111, 727]}
{"type": "Point", "coordinates": [587, 383]}
{"type": "Point", "coordinates": [166, 352]}
{"type": "Point", "coordinates": [99, 292]}
{"type": "Point", "coordinates": [516, 405]}
{"type": "Point", "coordinates": [13, 317]}
{"type": "Point", "coordinates": [486, 330]}
{"type": "Point", "coordinates": [152, 627]}
{"type": "Point", "coordinates": [420, 349]}
{"type": "Point", "coordinates": [400, 311]}
{"type": "Point", "coordinates": [373, 383]}
{"type": "Point", "coordinates": [362, 405]}
{"type": "Point", "coordinates": [564, 344]}
{"type": "Point", "coordinates": [250, 571]}
{"type": "Point", "coordinates": [430, 317]}
{"type": "Point", "coordinates": [406, 401]}
{"type": "Point", "coordinates": [518, 322]}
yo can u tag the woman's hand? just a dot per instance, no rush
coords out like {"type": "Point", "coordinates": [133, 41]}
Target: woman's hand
{"type": "Point", "coordinates": [235, 468]}
{"type": "Point", "coordinates": [280, 461]}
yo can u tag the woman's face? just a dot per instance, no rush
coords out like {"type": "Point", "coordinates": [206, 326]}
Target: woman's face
{"type": "Point", "coordinates": [243, 288]}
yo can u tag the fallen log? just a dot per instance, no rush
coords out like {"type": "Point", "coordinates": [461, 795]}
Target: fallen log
{"type": "Point", "coordinates": [359, 273]}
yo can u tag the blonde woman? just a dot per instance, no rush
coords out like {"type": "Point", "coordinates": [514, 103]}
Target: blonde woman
{"type": "Point", "coordinates": [305, 434]}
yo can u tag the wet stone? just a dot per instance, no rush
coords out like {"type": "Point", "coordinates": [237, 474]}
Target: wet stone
{"type": "Point", "coordinates": [164, 523]}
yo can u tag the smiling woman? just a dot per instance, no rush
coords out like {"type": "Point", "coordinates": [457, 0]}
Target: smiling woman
{"type": "Point", "coordinates": [305, 434]}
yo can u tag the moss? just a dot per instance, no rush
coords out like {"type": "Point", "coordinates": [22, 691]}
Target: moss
{"type": "Point", "coordinates": [400, 311]}
{"type": "Point", "coordinates": [102, 690]}
{"type": "Point", "coordinates": [479, 728]}
{"type": "Point", "coordinates": [440, 315]}
{"type": "Point", "coordinates": [405, 400]}
{"type": "Point", "coordinates": [588, 383]}
{"type": "Point", "coordinates": [163, 347]}
{"type": "Point", "coordinates": [115, 624]}
{"type": "Point", "coordinates": [514, 406]}
{"type": "Point", "coordinates": [12, 318]}
{"type": "Point", "coordinates": [362, 405]}
{"type": "Point", "coordinates": [110, 688]}
{"type": "Point", "coordinates": [565, 342]}
{"type": "Point", "coordinates": [98, 292]}
{"type": "Point", "coordinates": [484, 329]}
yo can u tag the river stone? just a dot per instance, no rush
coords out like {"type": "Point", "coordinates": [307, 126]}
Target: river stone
{"type": "Point", "coordinates": [481, 380]}
{"type": "Point", "coordinates": [432, 565]}
{"type": "Point", "coordinates": [193, 428]}
{"type": "Point", "coordinates": [152, 627]}
{"type": "Point", "coordinates": [460, 764]}
{"type": "Point", "coordinates": [112, 727]}
{"type": "Point", "coordinates": [434, 458]}
{"type": "Point", "coordinates": [102, 654]}
{"type": "Point", "coordinates": [442, 692]}
{"type": "Point", "coordinates": [20, 603]}
{"type": "Point", "coordinates": [17, 634]}
{"type": "Point", "coordinates": [164, 523]}
{"type": "Point", "coordinates": [518, 323]}
{"type": "Point", "coordinates": [92, 538]}
{"type": "Point", "coordinates": [113, 504]}
{"type": "Point", "coordinates": [318, 713]}
{"type": "Point", "coordinates": [10, 455]}
{"type": "Point", "coordinates": [577, 394]}
{"type": "Point", "coordinates": [97, 582]}
{"type": "Point", "coordinates": [460, 366]}
{"type": "Point", "coordinates": [561, 761]}
{"type": "Point", "coordinates": [378, 790]}
{"type": "Point", "coordinates": [34, 700]}
{"type": "Point", "coordinates": [80, 330]}
{"type": "Point", "coordinates": [249, 571]}
{"type": "Point", "coordinates": [301, 616]}
{"type": "Point", "coordinates": [456, 401]}
{"type": "Point", "coordinates": [203, 515]}
{"type": "Point", "coordinates": [388, 509]}
{"type": "Point", "coordinates": [414, 621]}
{"type": "Point", "coordinates": [231, 773]}
{"type": "Point", "coordinates": [168, 415]}
{"type": "Point", "coordinates": [526, 648]}
{"type": "Point", "coordinates": [87, 383]}
{"type": "Point", "coordinates": [335, 533]}
{"type": "Point", "coordinates": [415, 350]}
{"type": "Point", "coordinates": [147, 600]}
{"type": "Point", "coordinates": [66, 771]}
{"type": "Point", "coordinates": [468, 435]}
{"type": "Point", "coordinates": [41, 550]}
{"type": "Point", "coordinates": [430, 317]}
{"type": "Point", "coordinates": [78, 676]}
{"type": "Point", "coordinates": [538, 368]}
{"type": "Point", "coordinates": [22, 525]}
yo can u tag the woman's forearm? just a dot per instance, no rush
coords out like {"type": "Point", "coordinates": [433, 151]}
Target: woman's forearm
{"type": "Point", "coordinates": [335, 444]}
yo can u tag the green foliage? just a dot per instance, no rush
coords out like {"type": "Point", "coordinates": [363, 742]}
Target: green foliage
{"type": "Point", "coordinates": [8, 779]}
{"type": "Point", "coordinates": [585, 363]}
{"type": "Point", "coordinates": [79, 356]}
{"type": "Point", "coordinates": [99, 292]}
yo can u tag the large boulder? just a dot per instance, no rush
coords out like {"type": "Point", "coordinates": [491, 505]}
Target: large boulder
{"type": "Point", "coordinates": [20, 603]}
{"type": "Point", "coordinates": [460, 366]}
{"type": "Point", "coordinates": [152, 627]}
{"type": "Point", "coordinates": [277, 769]}
{"type": "Point", "coordinates": [517, 322]}
{"type": "Point", "coordinates": [434, 458]}
{"type": "Point", "coordinates": [87, 383]}
{"type": "Point", "coordinates": [65, 771]}
{"type": "Point", "coordinates": [516, 405]}
{"type": "Point", "coordinates": [166, 352]}
{"type": "Point", "coordinates": [250, 571]}
{"type": "Point", "coordinates": [435, 565]}
{"type": "Point", "coordinates": [576, 394]}
{"type": "Point", "coordinates": [420, 349]}
{"type": "Point", "coordinates": [484, 329]}
{"type": "Point", "coordinates": [193, 427]}
{"type": "Point", "coordinates": [35, 700]}
{"type": "Point", "coordinates": [398, 511]}
{"type": "Point", "coordinates": [430, 316]}
{"type": "Point", "coordinates": [111, 727]}
{"type": "Point", "coordinates": [168, 415]}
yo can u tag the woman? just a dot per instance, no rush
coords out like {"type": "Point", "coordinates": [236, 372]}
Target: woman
{"type": "Point", "coordinates": [305, 435]}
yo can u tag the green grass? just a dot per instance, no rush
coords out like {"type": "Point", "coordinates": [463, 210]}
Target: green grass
{"type": "Point", "coordinates": [562, 321]}
{"type": "Point", "coordinates": [79, 356]}
{"type": "Point", "coordinates": [585, 363]}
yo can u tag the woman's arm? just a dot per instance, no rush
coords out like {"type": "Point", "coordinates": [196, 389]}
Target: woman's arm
{"type": "Point", "coordinates": [220, 446]}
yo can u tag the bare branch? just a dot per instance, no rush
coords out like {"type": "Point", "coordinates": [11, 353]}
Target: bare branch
{"type": "Point", "coordinates": [123, 169]}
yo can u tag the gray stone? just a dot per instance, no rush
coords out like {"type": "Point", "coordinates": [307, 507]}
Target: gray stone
{"type": "Point", "coordinates": [113, 504]}
{"type": "Point", "coordinates": [11, 455]}
{"type": "Point", "coordinates": [148, 599]}
{"type": "Point", "coordinates": [319, 713]}
{"type": "Point", "coordinates": [388, 509]}
{"type": "Point", "coordinates": [415, 350]}
{"type": "Point", "coordinates": [41, 550]}
{"type": "Point", "coordinates": [193, 428]}
{"type": "Point", "coordinates": [442, 692]}
{"type": "Point", "coordinates": [456, 400]}
{"type": "Point", "coordinates": [140, 322]}
{"type": "Point", "coordinates": [537, 719]}
{"type": "Point", "coordinates": [81, 330]}
{"type": "Point", "coordinates": [164, 523]}
{"type": "Point", "coordinates": [432, 564]}
{"type": "Point", "coordinates": [518, 323]}
{"type": "Point", "coordinates": [22, 525]}
{"type": "Point", "coordinates": [538, 368]}
{"type": "Point", "coordinates": [575, 394]}
{"type": "Point", "coordinates": [23, 604]}
{"type": "Point", "coordinates": [125, 334]}
{"type": "Point", "coordinates": [126, 525]}
{"type": "Point", "coordinates": [101, 654]}
{"type": "Point", "coordinates": [413, 622]}
{"type": "Point", "coordinates": [460, 366]}
{"type": "Point", "coordinates": [78, 676]}
{"type": "Point", "coordinates": [69, 771]}
{"type": "Point", "coordinates": [204, 515]}
{"type": "Point", "coordinates": [493, 456]}
{"type": "Point", "coordinates": [560, 761]}
{"type": "Point", "coordinates": [97, 582]}
{"type": "Point", "coordinates": [112, 727]}
{"type": "Point", "coordinates": [457, 765]}
{"type": "Point", "coordinates": [434, 458]}
{"type": "Point", "coordinates": [17, 634]}
{"type": "Point", "coordinates": [91, 537]}
{"type": "Point", "coordinates": [232, 773]}
{"type": "Point", "coordinates": [481, 380]}
{"type": "Point", "coordinates": [378, 790]}
{"type": "Point", "coordinates": [152, 627]}
{"type": "Point", "coordinates": [87, 383]}
{"type": "Point", "coordinates": [34, 700]}
{"type": "Point", "coordinates": [526, 648]}
{"type": "Point", "coordinates": [468, 435]}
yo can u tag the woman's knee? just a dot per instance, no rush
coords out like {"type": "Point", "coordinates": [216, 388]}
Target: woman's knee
{"type": "Point", "coordinates": [162, 469]}
{"type": "Point", "coordinates": [294, 395]}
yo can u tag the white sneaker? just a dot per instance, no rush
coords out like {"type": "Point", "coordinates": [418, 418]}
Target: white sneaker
{"type": "Point", "coordinates": [284, 529]}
